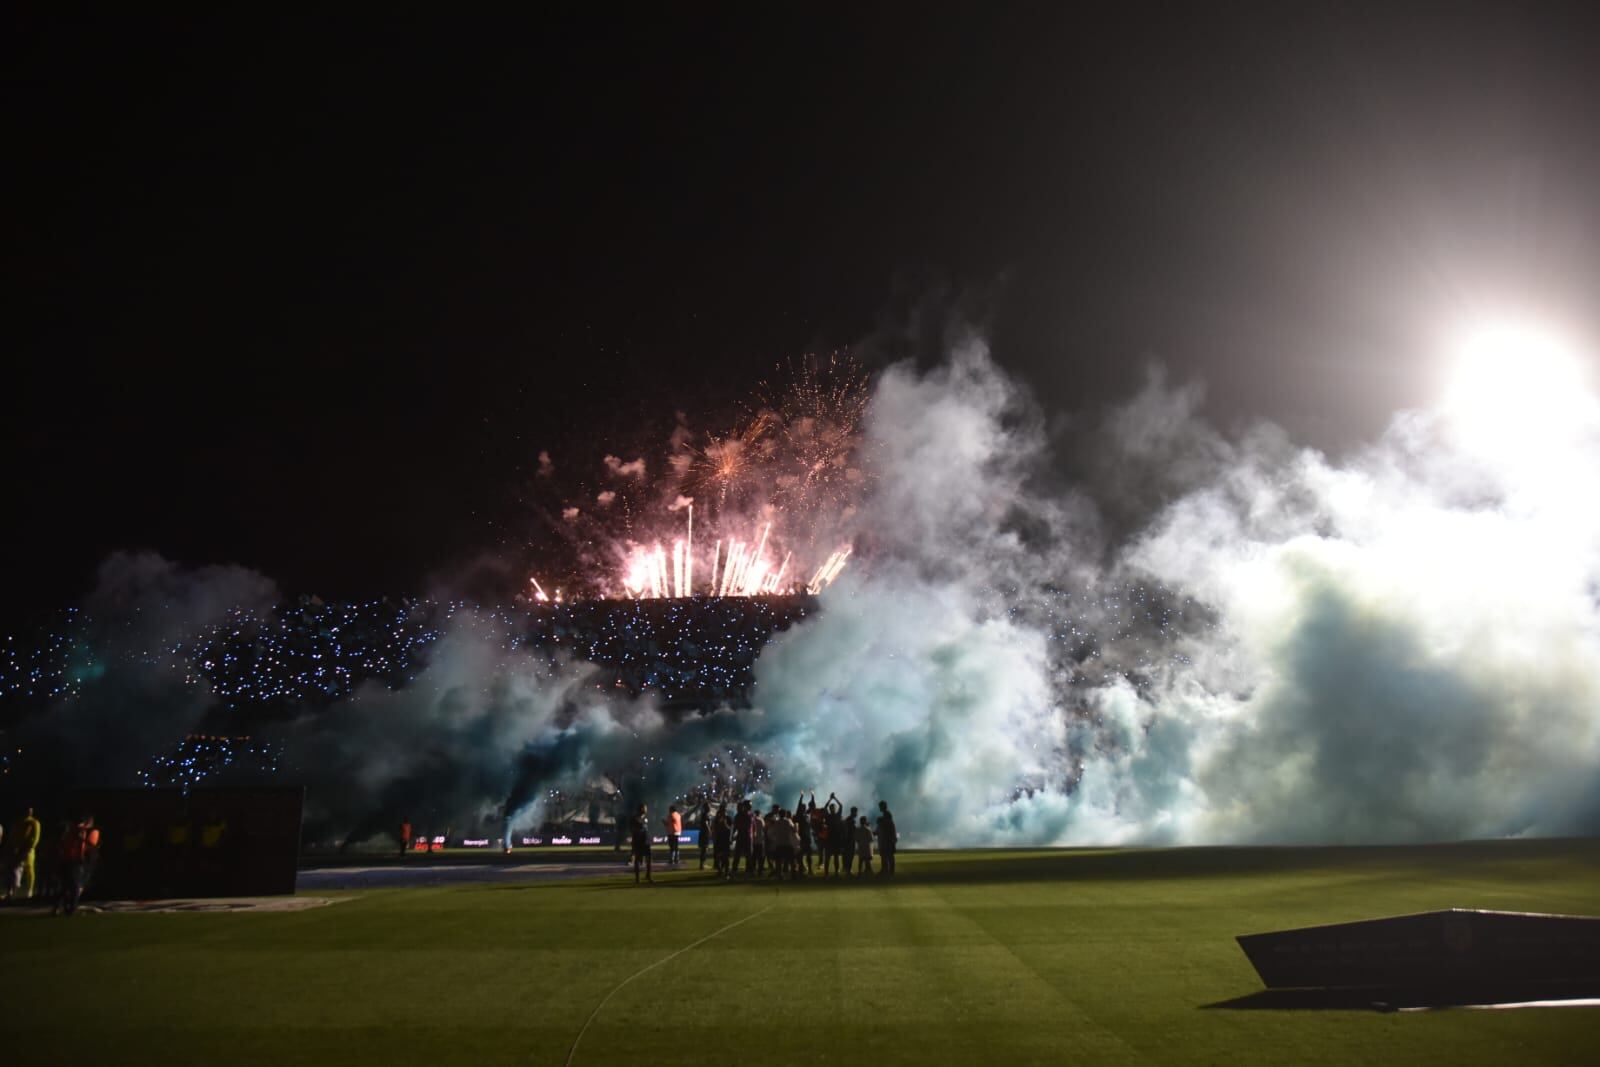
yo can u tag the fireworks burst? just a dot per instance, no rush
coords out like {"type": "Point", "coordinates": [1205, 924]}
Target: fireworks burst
{"type": "Point", "coordinates": [817, 421]}
{"type": "Point", "coordinates": [717, 467]}
{"type": "Point", "coordinates": [755, 510]}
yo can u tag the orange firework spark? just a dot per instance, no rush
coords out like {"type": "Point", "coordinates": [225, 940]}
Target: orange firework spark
{"type": "Point", "coordinates": [819, 421]}
{"type": "Point", "coordinates": [723, 461]}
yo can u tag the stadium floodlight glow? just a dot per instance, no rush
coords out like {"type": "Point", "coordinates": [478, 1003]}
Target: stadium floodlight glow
{"type": "Point", "coordinates": [1516, 390]}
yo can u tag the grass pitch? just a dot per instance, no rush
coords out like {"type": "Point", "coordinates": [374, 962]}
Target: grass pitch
{"type": "Point", "coordinates": [992, 957]}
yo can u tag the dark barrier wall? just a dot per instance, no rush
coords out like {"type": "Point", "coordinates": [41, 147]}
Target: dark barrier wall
{"type": "Point", "coordinates": [224, 842]}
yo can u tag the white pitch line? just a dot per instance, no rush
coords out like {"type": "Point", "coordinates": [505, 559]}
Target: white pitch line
{"type": "Point", "coordinates": [573, 1051]}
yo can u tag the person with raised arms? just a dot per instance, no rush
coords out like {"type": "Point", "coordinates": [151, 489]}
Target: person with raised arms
{"type": "Point", "coordinates": [837, 835]}
{"type": "Point", "coordinates": [802, 831]}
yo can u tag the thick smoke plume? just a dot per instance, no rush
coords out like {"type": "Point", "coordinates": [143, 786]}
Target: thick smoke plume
{"type": "Point", "coordinates": [136, 689]}
{"type": "Point", "coordinates": [1399, 644]}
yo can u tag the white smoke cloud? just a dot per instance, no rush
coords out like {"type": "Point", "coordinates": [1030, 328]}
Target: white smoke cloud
{"type": "Point", "coordinates": [139, 694]}
{"type": "Point", "coordinates": [632, 469]}
{"type": "Point", "coordinates": [1399, 644]}
{"type": "Point", "coordinates": [1406, 644]}
{"type": "Point", "coordinates": [448, 746]}
{"type": "Point", "coordinates": [1409, 644]}
{"type": "Point", "coordinates": [901, 691]}
{"type": "Point", "coordinates": [909, 686]}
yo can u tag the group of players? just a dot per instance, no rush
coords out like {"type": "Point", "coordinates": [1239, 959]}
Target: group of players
{"type": "Point", "coordinates": [66, 869]}
{"type": "Point", "coordinates": [808, 841]}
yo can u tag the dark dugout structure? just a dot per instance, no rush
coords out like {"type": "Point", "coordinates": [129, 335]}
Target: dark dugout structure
{"type": "Point", "coordinates": [1432, 959]}
{"type": "Point", "coordinates": [159, 844]}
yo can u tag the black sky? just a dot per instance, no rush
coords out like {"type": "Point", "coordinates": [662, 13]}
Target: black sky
{"type": "Point", "coordinates": [310, 295]}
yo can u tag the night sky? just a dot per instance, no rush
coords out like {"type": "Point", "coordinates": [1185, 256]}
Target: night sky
{"type": "Point", "coordinates": [310, 296]}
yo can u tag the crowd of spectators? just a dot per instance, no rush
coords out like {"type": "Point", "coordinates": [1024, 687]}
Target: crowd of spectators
{"type": "Point", "coordinates": [312, 653]}
{"type": "Point", "coordinates": [699, 650]}
{"type": "Point", "coordinates": [691, 653]}
{"type": "Point", "coordinates": [202, 756]}
{"type": "Point", "coordinates": [47, 662]}
{"type": "Point", "coordinates": [260, 666]}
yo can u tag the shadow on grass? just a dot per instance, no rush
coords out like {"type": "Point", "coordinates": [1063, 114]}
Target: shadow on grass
{"type": "Point", "coordinates": [606, 881]}
{"type": "Point", "coordinates": [1084, 866]}
{"type": "Point", "coordinates": [1098, 865]}
{"type": "Point", "coordinates": [1412, 999]}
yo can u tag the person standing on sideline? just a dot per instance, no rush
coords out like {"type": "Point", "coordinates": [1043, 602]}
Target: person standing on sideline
{"type": "Point", "coordinates": [887, 839]}
{"type": "Point", "coordinates": [782, 828]}
{"type": "Point", "coordinates": [77, 847]}
{"type": "Point", "coordinates": [641, 843]}
{"type": "Point", "coordinates": [863, 847]}
{"type": "Point", "coordinates": [849, 841]}
{"type": "Point", "coordinates": [758, 844]}
{"type": "Point", "coordinates": [802, 832]}
{"type": "Point", "coordinates": [91, 850]}
{"type": "Point", "coordinates": [674, 825]}
{"type": "Point", "coordinates": [705, 831]}
{"type": "Point", "coordinates": [405, 837]}
{"type": "Point", "coordinates": [722, 841]}
{"type": "Point", "coordinates": [27, 835]}
{"type": "Point", "coordinates": [741, 838]}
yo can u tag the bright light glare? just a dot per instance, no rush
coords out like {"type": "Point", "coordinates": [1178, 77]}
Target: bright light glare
{"type": "Point", "coordinates": [1516, 391]}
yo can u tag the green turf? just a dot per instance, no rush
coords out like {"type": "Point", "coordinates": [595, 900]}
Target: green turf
{"type": "Point", "coordinates": [996, 958]}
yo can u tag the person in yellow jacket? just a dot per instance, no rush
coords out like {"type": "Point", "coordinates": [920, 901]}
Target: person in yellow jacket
{"type": "Point", "coordinates": [27, 835]}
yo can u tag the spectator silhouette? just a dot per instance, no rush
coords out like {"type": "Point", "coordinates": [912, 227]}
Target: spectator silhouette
{"type": "Point", "coordinates": [673, 824]}
{"type": "Point", "coordinates": [641, 844]}
{"type": "Point", "coordinates": [703, 817]}
{"type": "Point", "coordinates": [849, 839]}
{"type": "Point", "coordinates": [741, 838]}
{"type": "Point", "coordinates": [722, 840]}
{"type": "Point", "coordinates": [802, 829]}
{"type": "Point", "coordinates": [887, 839]}
{"type": "Point", "coordinates": [863, 847]}
{"type": "Point", "coordinates": [833, 826]}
